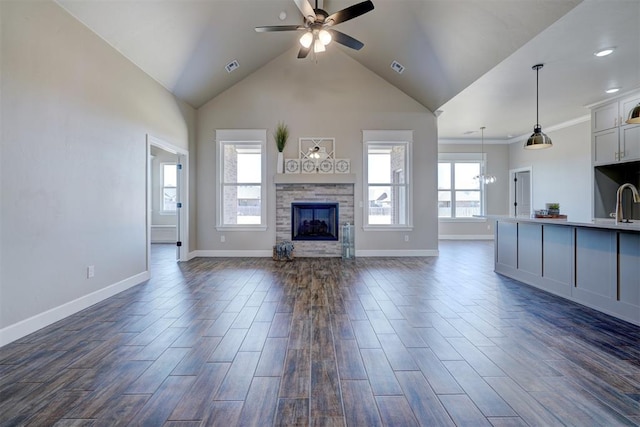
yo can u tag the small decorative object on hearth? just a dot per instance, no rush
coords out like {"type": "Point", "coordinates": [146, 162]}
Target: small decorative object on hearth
{"type": "Point", "coordinates": [281, 136]}
{"type": "Point", "coordinates": [283, 251]}
{"type": "Point", "coordinates": [348, 242]}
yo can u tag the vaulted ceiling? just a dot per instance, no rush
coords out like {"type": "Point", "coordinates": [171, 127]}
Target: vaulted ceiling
{"type": "Point", "coordinates": [469, 58]}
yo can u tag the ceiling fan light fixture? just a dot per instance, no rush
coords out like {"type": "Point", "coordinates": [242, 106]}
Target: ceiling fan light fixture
{"type": "Point", "coordinates": [325, 37]}
{"type": "Point", "coordinates": [538, 140]}
{"type": "Point", "coordinates": [306, 39]}
{"type": "Point", "coordinates": [634, 115]}
{"type": "Point", "coordinates": [318, 46]}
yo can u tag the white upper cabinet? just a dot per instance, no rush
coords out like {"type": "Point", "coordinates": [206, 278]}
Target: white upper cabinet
{"type": "Point", "coordinates": [613, 140]}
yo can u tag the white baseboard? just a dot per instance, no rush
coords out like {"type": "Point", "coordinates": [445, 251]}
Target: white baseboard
{"type": "Point", "coordinates": [232, 254]}
{"type": "Point", "coordinates": [396, 253]}
{"type": "Point", "coordinates": [465, 237]}
{"type": "Point", "coordinates": [268, 254]}
{"type": "Point", "coordinates": [39, 321]}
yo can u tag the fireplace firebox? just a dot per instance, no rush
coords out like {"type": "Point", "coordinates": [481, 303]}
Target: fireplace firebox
{"type": "Point", "coordinates": [314, 221]}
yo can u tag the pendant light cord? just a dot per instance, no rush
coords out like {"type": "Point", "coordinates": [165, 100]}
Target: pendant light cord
{"type": "Point", "coordinates": [537, 68]}
{"type": "Point", "coordinates": [537, 96]}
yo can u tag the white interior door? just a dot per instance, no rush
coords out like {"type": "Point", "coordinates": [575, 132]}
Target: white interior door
{"type": "Point", "coordinates": [520, 194]}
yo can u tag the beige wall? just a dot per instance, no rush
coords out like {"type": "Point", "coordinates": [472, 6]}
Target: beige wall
{"type": "Point", "coordinates": [562, 173]}
{"type": "Point", "coordinates": [496, 195]}
{"type": "Point", "coordinates": [335, 97]}
{"type": "Point", "coordinates": [75, 116]}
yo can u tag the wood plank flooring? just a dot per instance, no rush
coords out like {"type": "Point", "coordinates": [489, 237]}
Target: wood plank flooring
{"type": "Point", "coordinates": [438, 341]}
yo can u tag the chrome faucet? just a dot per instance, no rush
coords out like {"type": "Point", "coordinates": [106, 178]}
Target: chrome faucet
{"type": "Point", "coordinates": [636, 199]}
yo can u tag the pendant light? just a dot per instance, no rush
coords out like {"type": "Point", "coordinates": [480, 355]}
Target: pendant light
{"type": "Point", "coordinates": [538, 139]}
{"type": "Point", "coordinates": [634, 115]}
{"type": "Point", "coordinates": [483, 177]}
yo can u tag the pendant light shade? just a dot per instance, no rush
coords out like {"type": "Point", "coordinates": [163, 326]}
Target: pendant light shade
{"type": "Point", "coordinates": [634, 115]}
{"type": "Point", "coordinates": [538, 139]}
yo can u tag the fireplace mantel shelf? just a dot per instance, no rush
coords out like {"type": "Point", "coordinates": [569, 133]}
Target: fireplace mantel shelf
{"type": "Point", "coordinates": [314, 178]}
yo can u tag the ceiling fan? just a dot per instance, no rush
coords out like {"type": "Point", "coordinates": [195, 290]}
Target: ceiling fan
{"type": "Point", "coordinates": [317, 27]}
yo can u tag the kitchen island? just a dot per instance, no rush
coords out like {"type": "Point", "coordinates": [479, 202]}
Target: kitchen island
{"type": "Point", "coordinates": [596, 264]}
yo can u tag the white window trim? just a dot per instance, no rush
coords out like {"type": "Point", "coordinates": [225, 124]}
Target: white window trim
{"type": "Point", "coordinates": [162, 187]}
{"type": "Point", "coordinates": [374, 137]}
{"type": "Point", "coordinates": [468, 158]}
{"type": "Point", "coordinates": [249, 137]}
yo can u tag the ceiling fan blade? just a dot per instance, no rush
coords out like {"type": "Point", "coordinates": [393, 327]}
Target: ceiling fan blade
{"type": "Point", "coordinates": [306, 10]}
{"type": "Point", "coordinates": [345, 40]}
{"type": "Point", "coordinates": [272, 28]}
{"type": "Point", "coordinates": [303, 52]}
{"type": "Point", "coordinates": [349, 13]}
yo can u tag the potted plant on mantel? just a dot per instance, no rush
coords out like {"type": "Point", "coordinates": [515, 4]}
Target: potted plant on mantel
{"type": "Point", "coordinates": [281, 135]}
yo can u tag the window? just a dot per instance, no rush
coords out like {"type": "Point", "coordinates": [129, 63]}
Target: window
{"type": "Point", "coordinates": [387, 173]}
{"type": "Point", "coordinates": [459, 194]}
{"type": "Point", "coordinates": [169, 179]}
{"type": "Point", "coordinates": [241, 195]}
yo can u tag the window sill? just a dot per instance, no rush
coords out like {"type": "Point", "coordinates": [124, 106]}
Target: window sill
{"type": "Point", "coordinates": [462, 220]}
{"type": "Point", "coordinates": [241, 228]}
{"type": "Point", "coordinates": [387, 228]}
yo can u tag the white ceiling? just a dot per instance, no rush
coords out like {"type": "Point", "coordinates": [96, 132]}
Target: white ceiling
{"type": "Point", "coordinates": [470, 58]}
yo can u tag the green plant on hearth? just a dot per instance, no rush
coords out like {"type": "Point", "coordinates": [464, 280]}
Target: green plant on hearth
{"type": "Point", "coordinates": [281, 136]}
{"type": "Point", "coordinates": [554, 206]}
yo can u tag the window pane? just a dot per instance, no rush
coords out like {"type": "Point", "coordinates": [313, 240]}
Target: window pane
{"type": "Point", "coordinates": [379, 205]}
{"type": "Point", "coordinates": [387, 205]}
{"type": "Point", "coordinates": [467, 203]}
{"type": "Point", "coordinates": [386, 164]}
{"type": "Point", "coordinates": [242, 204]}
{"type": "Point", "coordinates": [169, 199]}
{"type": "Point", "coordinates": [464, 173]}
{"type": "Point", "coordinates": [169, 176]}
{"type": "Point", "coordinates": [444, 176]}
{"type": "Point", "coordinates": [444, 204]}
{"type": "Point", "coordinates": [242, 163]}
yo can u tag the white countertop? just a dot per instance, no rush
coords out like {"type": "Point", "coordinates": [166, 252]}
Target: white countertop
{"type": "Point", "coordinates": [609, 224]}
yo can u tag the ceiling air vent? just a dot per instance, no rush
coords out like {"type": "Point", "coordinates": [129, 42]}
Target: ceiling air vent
{"type": "Point", "coordinates": [397, 67]}
{"type": "Point", "coordinates": [231, 66]}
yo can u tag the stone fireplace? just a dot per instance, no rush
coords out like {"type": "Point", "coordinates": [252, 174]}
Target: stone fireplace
{"type": "Point", "coordinates": [306, 195]}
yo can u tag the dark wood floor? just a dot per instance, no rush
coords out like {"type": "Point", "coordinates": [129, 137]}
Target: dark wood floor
{"type": "Point", "coordinates": [398, 342]}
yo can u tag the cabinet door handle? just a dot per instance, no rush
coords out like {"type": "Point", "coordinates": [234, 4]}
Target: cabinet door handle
{"type": "Point", "coordinates": [615, 122]}
{"type": "Point", "coordinates": [616, 155]}
{"type": "Point", "coordinates": [621, 154]}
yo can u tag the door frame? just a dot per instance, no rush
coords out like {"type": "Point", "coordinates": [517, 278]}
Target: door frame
{"type": "Point", "coordinates": [512, 195]}
{"type": "Point", "coordinates": [182, 191]}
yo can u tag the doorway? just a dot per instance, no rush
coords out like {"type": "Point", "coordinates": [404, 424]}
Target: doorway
{"type": "Point", "coordinates": [167, 190]}
{"type": "Point", "coordinates": [520, 193]}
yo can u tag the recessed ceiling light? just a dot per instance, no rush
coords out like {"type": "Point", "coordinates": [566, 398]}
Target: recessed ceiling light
{"type": "Point", "coordinates": [604, 52]}
{"type": "Point", "coordinates": [283, 15]}
{"type": "Point", "coordinates": [612, 90]}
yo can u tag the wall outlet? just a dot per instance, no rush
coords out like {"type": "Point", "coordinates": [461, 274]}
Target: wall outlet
{"type": "Point", "coordinates": [91, 271]}
{"type": "Point", "coordinates": [222, 239]}
{"type": "Point", "coordinates": [406, 237]}
{"type": "Point", "coordinates": [488, 226]}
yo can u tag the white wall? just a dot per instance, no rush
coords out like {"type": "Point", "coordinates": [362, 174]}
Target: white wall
{"type": "Point", "coordinates": [561, 173]}
{"type": "Point", "coordinates": [335, 97]}
{"type": "Point", "coordinates": [496, 194]}
{"type": "Point", "coordinates": [75, 115]}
